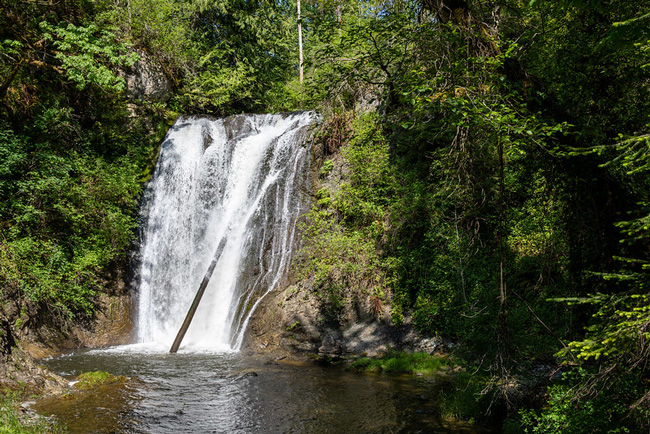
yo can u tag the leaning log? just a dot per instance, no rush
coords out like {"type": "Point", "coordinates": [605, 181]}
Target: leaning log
{"type": "Point", "coordinates": [197, 297]}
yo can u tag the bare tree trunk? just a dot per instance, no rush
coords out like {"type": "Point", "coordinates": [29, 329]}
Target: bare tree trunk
{"type": "Point", "coordinates": [339, 18]}
{"type": "Point", "coordinates": [300, 71]}
{"type": "Point", "coordinates": [197, 297]}
{"type": "Point", "coordinates": [128, 6]}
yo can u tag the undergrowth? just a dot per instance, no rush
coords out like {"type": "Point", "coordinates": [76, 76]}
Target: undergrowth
{"type": "Point", "coordinates": [13, 422]}
{"type": "Point", "coordinates": [404, 362]}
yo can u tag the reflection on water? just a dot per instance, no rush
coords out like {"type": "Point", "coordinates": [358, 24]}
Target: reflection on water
{"type": "Point", "coordinates": [228, 393]}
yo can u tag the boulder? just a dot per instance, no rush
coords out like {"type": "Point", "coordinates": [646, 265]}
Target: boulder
{"type": "Point", "coordinates": [330, 347]}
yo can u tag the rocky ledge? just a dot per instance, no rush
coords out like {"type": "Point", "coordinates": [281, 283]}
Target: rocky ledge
{"type": "Point", "coordinates": [291, 322]}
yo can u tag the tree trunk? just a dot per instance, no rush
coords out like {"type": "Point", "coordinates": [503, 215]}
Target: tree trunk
{"type": "Point", "coordinates": [339, 19]}
{"type": "Point", "coordinates": [198, 296]}
{"type": "Point", "coordinates": [300, 71]}
{"type": "Point", "coordinates": [504, 345]}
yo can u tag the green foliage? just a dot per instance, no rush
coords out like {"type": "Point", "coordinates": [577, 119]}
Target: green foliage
{"type": "Point", "coordinates": [290, 96]}
{"type": "Point", "coordinates": [397, 361]}
{"type": "Point", "coordinates": [364, 196]}
{"type": "Point", "coordinates": [86, 53]}
{"type": "Point", "coordinates": [11, 421]}
{"type": "Point", "coordinates": [296, 325]}
{"type": "Point", "coordinates": [163, 27]}
{"type": "Point", "coordinates": [344, 231]}
{"type": "Point", "coordinates": [245, 55]}
{"type": "Point", "coordinates": [66, 220]}
{"type": "Point", "coordinates": [568, 412]}
{"type": "Point", "coordinates": [466, 397]}
{"type": "Point", "coordinates": [12, 156]}
{"type": "Point", "coordinates": [477, 183]}
{"type": "Point", "coordinates": [223, 57]}
{"type": "Point", "coordinates": [73, 155]}
{"type": "Point", "coordinates": [465, 204]}
{"type": "Point", "coordinates": [462, 395]}
{"type": "Point", "coordinates": [328, 165]}
{"type": "Point", "coordinates": [619, 332]}
{"type": "Point", "coordinates": [342, 265]}
{"type": "Point", "coordinates": [420, 233]}
{"type": "Point", "coordinates": [72, 161]}
{"type": "Point", "coordinates": [588, 61]}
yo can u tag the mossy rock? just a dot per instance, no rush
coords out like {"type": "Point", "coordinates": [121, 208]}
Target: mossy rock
{"type": "Point", "coordinates": [91, 380]}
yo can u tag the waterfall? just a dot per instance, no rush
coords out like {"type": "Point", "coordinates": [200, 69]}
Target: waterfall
{"type": "Point", "coordinates": [242, 178]}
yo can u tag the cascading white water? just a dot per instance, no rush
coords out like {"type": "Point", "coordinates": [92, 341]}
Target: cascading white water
{"type": "Point", "coordinates": [242, 178]}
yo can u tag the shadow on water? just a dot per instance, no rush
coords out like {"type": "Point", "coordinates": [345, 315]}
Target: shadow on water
{"type": "Point", "coordinates": [226, 393]}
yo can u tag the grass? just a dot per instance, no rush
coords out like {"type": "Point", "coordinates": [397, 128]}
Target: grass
{"type": "Point", "coordinates": [12, 422]}
{"type": "Point", "coordinates": [400, 361]}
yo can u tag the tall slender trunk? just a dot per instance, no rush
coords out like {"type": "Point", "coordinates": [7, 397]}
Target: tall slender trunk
{"type": "Point", "coordinates": [504, 345]}
{"type": "Point", "coordinates": [300, 70]}
{"type": "Point", "coordinates": [128, 7]}
{"type": "Point", "coordinates": [339, 19]}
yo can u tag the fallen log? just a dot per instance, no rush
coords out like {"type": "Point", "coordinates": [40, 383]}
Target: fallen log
{"type": "Point", "coordinates": [197, 297]}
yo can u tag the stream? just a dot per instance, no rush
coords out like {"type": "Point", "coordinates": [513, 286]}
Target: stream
{"type": "Point", "coordinates": [194, 392]}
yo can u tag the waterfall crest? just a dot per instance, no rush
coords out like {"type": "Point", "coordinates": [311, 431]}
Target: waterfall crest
{"type": "Point", "coordinates": [242, 178]}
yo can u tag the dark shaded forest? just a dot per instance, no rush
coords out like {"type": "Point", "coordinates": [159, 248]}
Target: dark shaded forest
{"type": "Point", "coordinates": [496, 190]}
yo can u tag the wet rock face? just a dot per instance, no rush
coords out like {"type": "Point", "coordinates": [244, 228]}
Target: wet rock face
{"type": "Point", "coordinates": [111, 325]}
{"type": "Point", "coordinates": [146, 80]}
{"type": "Point", "coordinates": [290, 322]}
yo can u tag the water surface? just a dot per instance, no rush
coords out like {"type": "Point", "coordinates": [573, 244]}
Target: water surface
{"type": "Point", "coordinates": [230, 393]}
